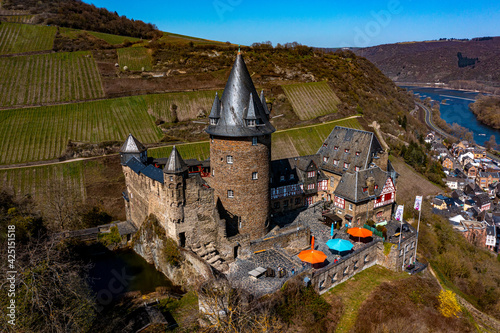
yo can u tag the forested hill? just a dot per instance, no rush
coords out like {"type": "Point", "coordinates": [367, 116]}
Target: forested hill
{"type": "Point", "coordinates": [476, 61]}
{"type": "Point", "coordinates": [79, 15]}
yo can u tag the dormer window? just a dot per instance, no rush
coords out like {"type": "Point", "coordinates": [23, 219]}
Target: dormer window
{"type": "Point", "coordinates": [346, 150]}
{"type": "Point", "coordinates": [357, 153]}
{"type": "Point", "coordinates": [214, 121]}
{"type": "Point", "coordinates": [282, 178]}
{"type": "Point", "coordinates": [292, 176]}
{"type": "Point", "coordinates": [356, 168]}
{"type": "Point", "coordinates": [325, 159]}
{"type": "Point", "coordinates": [336, 148]}
{"type": "Point", "coordinates": [376, 186]}
{"type": "Point", "coordinates": [365, 189]}
{"type": "Point", "coordinates": [250, 122]}
{"type": "Point", "coordinates": [346, 165]}
{"type": "Point", "coordinates": [325, 144]}
{"type": "Point", "coordinates": [335, 162]}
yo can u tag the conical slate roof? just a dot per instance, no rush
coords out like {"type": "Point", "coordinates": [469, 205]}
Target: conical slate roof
{"type": "Point", "coordinates": [235, 104]}
{"type": "Point", "coordinates": [215, 112]}
{"type": "Point", "coordinates": [132, 145]}
{"type": "Point", "coordinates": [264, 104]}
{"type": "Point", "coordinates": [175, 163]}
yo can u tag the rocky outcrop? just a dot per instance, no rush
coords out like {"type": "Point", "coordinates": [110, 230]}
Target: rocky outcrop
{"type": "Point", "coordinates": [181, 266]}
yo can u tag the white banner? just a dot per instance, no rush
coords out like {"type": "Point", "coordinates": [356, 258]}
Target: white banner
{"type": "Point", "coordinates": [399, 213]}
{"type": "Point", "coordinates": [418, 202]}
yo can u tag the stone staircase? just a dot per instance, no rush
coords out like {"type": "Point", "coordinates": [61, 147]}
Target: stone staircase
{"type": "Point", "coordinates": [209, 253]}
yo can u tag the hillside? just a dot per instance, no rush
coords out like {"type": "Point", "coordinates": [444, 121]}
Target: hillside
{"type": "Point", "coordinates": [474, 61]}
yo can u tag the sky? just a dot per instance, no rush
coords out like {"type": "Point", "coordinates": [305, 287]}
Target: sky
{"type": "Point", "coordinates": [317, 23]}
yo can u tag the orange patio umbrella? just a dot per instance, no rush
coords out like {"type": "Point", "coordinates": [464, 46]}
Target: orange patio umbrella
{"type": "Point", "coordinates": [359, 232]}
{"type": "Point", "coordinates": [312, 256]}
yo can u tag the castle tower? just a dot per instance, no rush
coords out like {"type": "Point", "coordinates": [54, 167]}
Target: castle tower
{"type": "Point", "coordinates": [133, 148]}
{"type": "Point", "coordinates": [174, 174]}
{"type": "Point", "coordinates": [240, 154]}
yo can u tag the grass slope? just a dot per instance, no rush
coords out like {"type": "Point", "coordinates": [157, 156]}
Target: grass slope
{"type": "Point", "coordinates": [354, 291]}
{"type": "Point", "coordinates": [135, 58]}
{"type": "Point", "coordinates": [46, 78]}
{"type": "Point", "coordinates": [311, 100]}
{"type": "Point", "coordinates": [19, 38]}
{"type": "Point", "coordinates": [43, 133]}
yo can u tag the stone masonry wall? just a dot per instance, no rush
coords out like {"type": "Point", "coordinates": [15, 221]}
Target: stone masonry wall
{"type": "Point", "coordinates": [291, 237]}
{"type": "Point", "coordinates": [333, 274]}
{"type": "Point", "coordinates": [251, 201]}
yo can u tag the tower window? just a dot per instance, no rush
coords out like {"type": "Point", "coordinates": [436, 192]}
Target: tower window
{"type": "Point", "coordinates": [171, 178]}
{"type": "Point", "coordinates": [229, 159]}
{"type": "Point", "coordinates": [255, 175]}
{"type": "Point", "coordinates": [254, 141]}
{"type": "Point", "coordinates": [230, 194]}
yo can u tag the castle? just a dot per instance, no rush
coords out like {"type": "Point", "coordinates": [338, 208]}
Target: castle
{"type": "Point", "coordinates": [224, 206]}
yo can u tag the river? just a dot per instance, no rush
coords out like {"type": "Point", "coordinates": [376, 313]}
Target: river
{"type": "Point", "coordinates": [114, 273]}
{"type": "Point", "coordinates": [456, 110]}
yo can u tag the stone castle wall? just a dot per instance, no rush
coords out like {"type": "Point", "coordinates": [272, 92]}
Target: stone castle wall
{"type": "Point", "coordinates": [251, 200]}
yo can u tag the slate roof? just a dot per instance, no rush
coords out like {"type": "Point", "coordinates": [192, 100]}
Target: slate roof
{"type": "Point", "coordinates": [132, 145]}
{"type": "Point", "coordinates": [153, 173]}
{"type": "Point", "coordinates": [175, 163]}
{"type": "Point", "coordinates": [481, 199]}
{"type": "Point", "coordinates": [136, 165]}
{"type": "Point", "coordinates": [296, 166]}
{"type": "Point", "coordinates": [361, 146]}
{"type": "Point", "coordinates": [351, 185]}
{"type": "Point", "coordinates": [239, 101]}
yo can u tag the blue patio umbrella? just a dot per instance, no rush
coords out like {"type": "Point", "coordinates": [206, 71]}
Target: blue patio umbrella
{"type": "Point", "coordinates": [339, 244]}
{"type": "Point", "coordinates": [331, 231]}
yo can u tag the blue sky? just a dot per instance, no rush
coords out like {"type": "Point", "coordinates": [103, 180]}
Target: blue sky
{"type": "Point", "coordinates": [316, 23]}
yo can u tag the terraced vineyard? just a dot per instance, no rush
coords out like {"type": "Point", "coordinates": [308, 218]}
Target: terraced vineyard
{"type": "Point", "coordinates": [113, 39]}
{"type": "Point", "coordinates": [46, 78]}
{"type": "Point", "coordinates": [39, 181]}
{"type": "Point", "coordinates": [187, 104]}
{"type": "Point", "coordinates": [42, 133]}
{"type": "Point", "coordinates": [18, 18]}
{"type": "Point", "coordinates": [311, 100]}
{"type": "Point", "coordinates": [305, 140]}
{"type": "Point", "coordinates": [197, 150]}
{"type": "Point", "coordinates": [19, 38]}
{"type": "Point", "coordinates": [135, 58]}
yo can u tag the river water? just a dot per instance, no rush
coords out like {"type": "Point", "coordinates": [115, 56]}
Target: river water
{"type": "Point", "coordinates": [456, 110]}
{"type": "Point", "coordinates": [114, 273]}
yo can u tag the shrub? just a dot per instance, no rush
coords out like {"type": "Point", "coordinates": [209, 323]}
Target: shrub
{"type": "Point", "coordinates": [448, 304]}
{"type": "Point", "coordinates": [111, 238]}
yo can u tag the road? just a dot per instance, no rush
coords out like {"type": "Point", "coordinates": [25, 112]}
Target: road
{"type": "Point", "coordinates": [428, 121]}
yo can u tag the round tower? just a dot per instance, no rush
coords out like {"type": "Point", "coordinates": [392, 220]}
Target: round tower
{"type": "Point", "coordinates": [240, 154]}
{"type": "Point", "coordinates": [174, 174]}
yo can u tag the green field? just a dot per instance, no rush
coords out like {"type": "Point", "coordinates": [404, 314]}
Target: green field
{"type": "Point", "coordinates": [38, 181]}
{"type": "Point", "coordinates": [188, 104]}
{"type": "Point", "coordinates": [42, 133]}
{"type": "Point", "coordinates": [46, 78]}
{"type": "Point", "coordinates": [311, 100]}
{"type": "Point", "coordinates": [19, 38]}
{"type": "Point", "coordinates": [17, 18]}
{"type": "Point", "coordinates": [197, 150]}
{"type": "Point", "coordinates": [135, 58]}
{"type": "Point", "coordinates": [113, 39]}
{"type": "Point", "coordinates": [305, 140]}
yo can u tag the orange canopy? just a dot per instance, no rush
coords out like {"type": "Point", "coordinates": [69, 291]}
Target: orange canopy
{"type": "Point", "coordinates": [312, 256]}
{"type": "Point", "coordinates": [359, 232]}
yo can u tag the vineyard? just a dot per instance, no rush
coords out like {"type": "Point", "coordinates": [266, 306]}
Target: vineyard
{"type": "Point", "coordinates": [17, 18]}
{"type": "Point", "coordinates": [46, 78]}
{"type": "Point", "coordinates": [197, 150]}
{"type": "Point", "coordinates": [135, 58]}
{"type": "Point", "coordinates": [187, 105]}
{"type": "Point", "coordinates": [39, 182]}
{"type": "Point", "coordinates": [42, 133]}
{"type": "Point", "coordinates": [113, 39]}
{"type": "Point", "coordinates": [311, 100]}
{"type": "Point", "coordinates": [19, 38]}
{"type": "Point", "coordinates": [305, 140]}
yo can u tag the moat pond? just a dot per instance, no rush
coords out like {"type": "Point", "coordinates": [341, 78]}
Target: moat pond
{"type": "Point", "coordinates": [114, 273]}
{"type": "Point", "coordinates": [454, 107]}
